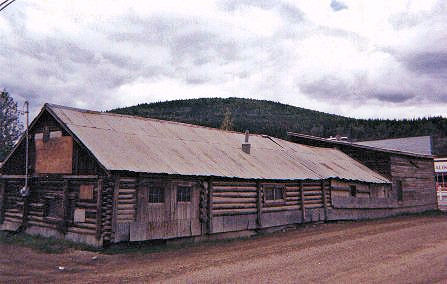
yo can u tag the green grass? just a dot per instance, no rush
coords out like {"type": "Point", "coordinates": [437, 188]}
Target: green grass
{"type": "Point", "coordinates": [53, 245]}
{"type": "Point", "coordinates": [42, 244]}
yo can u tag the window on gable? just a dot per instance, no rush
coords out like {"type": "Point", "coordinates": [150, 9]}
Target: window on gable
{"type": "Point", "coordinates": [275, 193]}
{"type": "Point", "coordinates": [46, 134]}
{"type": "Point", "coordinates": [183, 194]}
{"type": "Point", "coordinates": [156, 195]}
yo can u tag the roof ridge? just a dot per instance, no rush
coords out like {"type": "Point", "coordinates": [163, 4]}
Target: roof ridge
{"type": "Point", "coordinates": [151, 119]}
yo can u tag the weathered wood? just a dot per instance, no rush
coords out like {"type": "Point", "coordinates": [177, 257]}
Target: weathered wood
{"type": "Point", "coordinates": [226, 212]}
{"type": "Point", "coordinates": [115, 205]}
{"type": "Point", "coordinates": [234, 206]}
{"type": "Point", "coordinates": [324, 200]}
{"type": "Point", "coordinates": [303, 208]}
{"type": "Point", "coordinates": [66, 203]}
{"type": "Point", "coordinates": [210, 205]}
{"type": "Point", "coordinates": [235, 194]}
{"type": "Point", "coordinates": [220, 200]}
{"type": "Point", "coordinates": [99, 208]}
{"type": "Point", "coordinates": [281, 208]}
{"type": "Point", "coordinates": [259, 204]}
{"type": "Point", "coordinates": [2, 199]}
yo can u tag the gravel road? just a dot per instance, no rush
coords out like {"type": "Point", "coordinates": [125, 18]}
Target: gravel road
{"type": "Point", "coordinates": [395, 250]}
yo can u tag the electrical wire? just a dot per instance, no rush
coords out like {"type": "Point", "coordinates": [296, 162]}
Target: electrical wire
{"type": "Point", "coordinates": [4, 7]}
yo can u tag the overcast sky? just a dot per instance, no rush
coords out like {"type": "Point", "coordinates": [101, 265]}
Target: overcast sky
{"type": "Point", "coordinates": [385, 59]}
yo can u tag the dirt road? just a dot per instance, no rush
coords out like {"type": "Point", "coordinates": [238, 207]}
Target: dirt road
{"type": "Point", "coordinates": [397, 250]}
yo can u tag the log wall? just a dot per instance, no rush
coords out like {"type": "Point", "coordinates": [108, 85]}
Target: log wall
{"type": "Point", "coordinates": [50, 209]}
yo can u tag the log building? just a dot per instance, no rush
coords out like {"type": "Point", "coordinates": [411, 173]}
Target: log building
{"type": "Point", "coordinates": [406, 162]}
{"type": "Point", "coordinates": [101, 178]}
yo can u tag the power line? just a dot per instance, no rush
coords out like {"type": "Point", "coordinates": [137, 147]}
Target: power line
{"type": "Point", "coordinates": [4, 7]}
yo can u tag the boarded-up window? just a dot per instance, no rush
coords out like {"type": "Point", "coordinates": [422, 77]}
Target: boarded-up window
{"type": "Point", "coordinates": [274, 193]}
{"type": "Point", "coordinates": [86, 192]}
{"type": "Point", "coordinates": [156, 195]}
{"type": "Point", "coordinates": [183, 194]}
{"type": "Point", "coordinates": [54, 156]}
{"type": "Point", "coordinates": [54, 207]}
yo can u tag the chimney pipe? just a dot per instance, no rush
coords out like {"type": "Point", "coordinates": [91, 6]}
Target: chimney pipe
{"type": "Point", "coordinates": [246, 146]}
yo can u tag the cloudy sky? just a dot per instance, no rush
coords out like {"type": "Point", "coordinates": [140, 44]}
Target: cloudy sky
{"type": "Point", "coordinates": [365, 59]}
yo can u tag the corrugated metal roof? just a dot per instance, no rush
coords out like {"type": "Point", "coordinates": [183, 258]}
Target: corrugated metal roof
{"type": "Point", "coordinates": [309, 140]}
{"type": "Point", "coordinates": [419, 144]}
{"type": "Point", "coordinates": [126, 143]}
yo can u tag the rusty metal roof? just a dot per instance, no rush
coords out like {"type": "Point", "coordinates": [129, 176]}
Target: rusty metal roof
{"type": "Point", "coordinates": [128, 143]}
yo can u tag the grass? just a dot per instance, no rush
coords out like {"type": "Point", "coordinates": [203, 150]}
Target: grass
{"type": "Point", "coordinates": [53, 245]}
{"type": "Point", "coordinates": [42, 244]}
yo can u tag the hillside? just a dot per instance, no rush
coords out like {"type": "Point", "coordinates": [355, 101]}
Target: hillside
{"type": "Point", "coordinates": [275, 119]}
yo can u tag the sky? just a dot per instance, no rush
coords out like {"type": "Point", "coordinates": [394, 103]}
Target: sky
{"type": "Point", "coordinates": [363, 59]}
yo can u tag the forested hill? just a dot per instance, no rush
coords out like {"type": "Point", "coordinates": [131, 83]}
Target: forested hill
{"type": "Point", "coordinates": [275, 119]}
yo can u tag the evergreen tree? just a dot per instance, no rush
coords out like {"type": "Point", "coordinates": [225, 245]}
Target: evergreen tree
{"type": "Point", "coordinates": [10, 125]}
{"type": "Point", "coordinates": [227, 123]}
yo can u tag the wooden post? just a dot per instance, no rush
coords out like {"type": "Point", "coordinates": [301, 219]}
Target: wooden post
{"type": "Point", "coordinates": [99, 210]}
{"type": "Point", "coordinates": [116, 189]}
{"type": "Point", "coordinates": [303, 211]}
{"type": "Point", "coordinates": [210, 206]}
{"type": "Point", "coordinates": [324, 200]}
{"type": "Point", "coordinates": [25, 209]}
{"type": "Point", "coordinates": [2, 199]}
{"type": "Point", "coordinates": [66, 207]}
{"type": "Point", "coordinates": [259, 203]}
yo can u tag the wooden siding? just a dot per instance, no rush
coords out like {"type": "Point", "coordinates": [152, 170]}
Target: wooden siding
{"type": "Point", "coordinates": [168, 219]}
{"type": "Point", "coordinates": [417, 177]}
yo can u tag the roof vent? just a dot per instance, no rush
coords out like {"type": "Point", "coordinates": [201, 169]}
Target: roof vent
{"type": "Point", "coordinates": [246, 146]}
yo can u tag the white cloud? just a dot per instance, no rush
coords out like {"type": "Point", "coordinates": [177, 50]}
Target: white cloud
{"type": "Point", "coordinates": [355, 58]}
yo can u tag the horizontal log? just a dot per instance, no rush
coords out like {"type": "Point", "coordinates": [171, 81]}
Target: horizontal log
{"type": "Point", "coordinates": [13, 215]}
{"type": "Point", "coordinates": [126, 191]}
{"type": "Point", "coordinates": [228, 212]}
{"type": "Point", "coordinates": [234, 194]}
{"type": "Point", "coordinates": [125, 211]}
{"type": "Point", "coordinates": [127, 201]}
{"type": "Point", "coordinates": [126, 196]}
{"type": "Point", "coordinates": [127, 179]}
{"type": "Point", "coordinates": [81, 231]}
{"type": "Point", "coordinates": [126, 206]}
{"type": "Point", "coordinates": [86, 204]}
{"type": "Point", "coordinates": [220, 200]}
{"type": "Point", "coordinates": [43, 224]}
{"type": "Point", "coordinates": [233, 206]}
{"type": "Point", "coordinates": [309, 206]}
{"type": "Point", "coordinates": [234, 189]}
{"type": "Point", "coordinates": [233, 184]}
{"type": "Point", "coordinates": [84, 226]}
{"type": "Point", "coordinates": [281, 208]}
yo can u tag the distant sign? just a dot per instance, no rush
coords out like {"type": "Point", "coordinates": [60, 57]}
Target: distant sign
{"type": "Point", "coordinates": [441, 167]}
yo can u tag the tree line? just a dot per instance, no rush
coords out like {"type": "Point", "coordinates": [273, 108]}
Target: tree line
{"type": "Point", "coordinates": [276, 119]}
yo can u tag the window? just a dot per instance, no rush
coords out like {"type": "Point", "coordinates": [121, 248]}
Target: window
{"type": "Point", "coordinates": [156, 195]}
{"type": "Point", "coordinates": [46, 134]}
{"type": "Point", "coordinates": [86, 192]}
{"type": "Point", "coordinates": [273, 193]}
{"type": "Point", "coordinates": [353, 189]}
{"type": "Point", "coordinates": [54, 207]}
{"type": "Point", "coordinates": [183, 194]}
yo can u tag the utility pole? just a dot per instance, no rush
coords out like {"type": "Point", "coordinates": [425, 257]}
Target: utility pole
{"type": "Point", "coordinates": [25, 190]}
